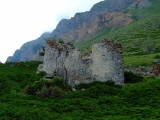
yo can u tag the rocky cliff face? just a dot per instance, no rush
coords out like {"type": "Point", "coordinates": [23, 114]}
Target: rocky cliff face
{"type": "Point", "coordinates": [140, 4]}
{"type": "Point", "coordinates": [111, 20]}
{"type": "Point", "coordinates": [103, 63]}
{"type": "Point", "coordinates": [30, 50]}
{"type": "Point", "coordinates": [103, 14]}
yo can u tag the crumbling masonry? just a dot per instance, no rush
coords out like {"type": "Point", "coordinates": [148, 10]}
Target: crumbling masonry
{"type": "Point", "coordinates": [103, 63]}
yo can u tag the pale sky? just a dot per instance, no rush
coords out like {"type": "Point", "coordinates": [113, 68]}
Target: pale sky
{"type": "Point", "coordinates": [26, 20]}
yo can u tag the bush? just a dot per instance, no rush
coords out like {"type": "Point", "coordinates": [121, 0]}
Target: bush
{"type": "Point", "coordinates": [61, 41]}
{"type": "Point", "coordinates": [42, 73]}
{"type": "Point", "coordinates": [44, 92]}
{"type": "Point", "coordinates": [47, 88]}
{"type": "Point", "coordinates": [29, 90]}
{"type": "Point", "coordinates": [39, 84]}
{"type": "Point", "coordinates": [56, 91]}
{"type": "Point", "coordinates": [41, 53]}
{"type": "Point", "coordinates": [85, 86]}
{"type": "Point", "coordinates": [108, 83]}
{"type": "Point", "coordinates": [58, 82]}
{"type": "Point", "coordinates": [112, 84]}
{"type": "Point", "coordinates": [157, 57]}
{"type": "Point", "coordinates": [100, 90]}
{"type": "Point", "coordinates": [50, 92]}
{"type": "Point", "coordinates": [130, 77]}
{"type": "Point", "coordinates": [67, 87]}
{"type": "Point", "coordinates": [36, 86]}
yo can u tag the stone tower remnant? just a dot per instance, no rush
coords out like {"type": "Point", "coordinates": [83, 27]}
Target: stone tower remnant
{"type": "Point", "coordinates": [104, 63]}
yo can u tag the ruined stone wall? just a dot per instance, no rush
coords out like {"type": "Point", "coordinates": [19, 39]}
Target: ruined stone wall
{"type": "Point", "coordinates": [104, 63]}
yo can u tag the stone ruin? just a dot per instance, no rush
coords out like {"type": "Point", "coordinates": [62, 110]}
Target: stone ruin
{"type": "Point", "coordinates": [103, 63]}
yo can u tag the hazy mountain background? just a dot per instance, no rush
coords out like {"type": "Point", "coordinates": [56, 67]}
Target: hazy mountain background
{"type": "Point", "coordinates": [28, 50]}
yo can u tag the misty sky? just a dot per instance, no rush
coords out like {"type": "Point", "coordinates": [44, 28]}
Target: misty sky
{"type": "Point", "coordinates": [26, 20]}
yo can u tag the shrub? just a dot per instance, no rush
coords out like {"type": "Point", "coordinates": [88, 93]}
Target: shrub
{"type": "Point", "coordinates": [157, 57]}
{"type": "Point", "coordinates": [41, 53]}
{"type": "Point", "coordinates": [85, 86]}
{"type": "Point", "coordinates": [56, 91]}
{"type": "Point", "coordinates": [81, 86]}
{"type": "Point", "coordinates": [61, 41]}
{"type": "Point", "coordinates": [42, 73]}
{"type": "Point", "coordinates": [43, 48]}
{"type": "Point", "coordinates": [130, 77]}
{"type": "Point", "coordinates": [50, 92]}
{"type": "Point", "coordinates": [112, 84]}
{"type": "Point", "coordinates": [48, 88]}
{"type": "Point", "coordinates": [30, 90]}
{"type": "Point", "coordinates": [100, 90]}
{"type": "Point", "coordinates": [67, 87]}
{"type": "Point", "coordinates": [38, 84]}
{"type": "Point", "coordinates": [44, 92]}
{"type": "Point", "coordinates": [58, 82]}
{"type": "Point", "coordinates": [108, 83]}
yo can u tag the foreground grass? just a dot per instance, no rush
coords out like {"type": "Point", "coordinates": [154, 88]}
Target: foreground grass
{"type": "Point", "coordinates": [98, 101]}
{"type": "Point", "coordinates": [136, 101]}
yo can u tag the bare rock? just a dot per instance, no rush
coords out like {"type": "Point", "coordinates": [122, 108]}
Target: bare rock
{"type": "Point", "coordinates": [87, 29]}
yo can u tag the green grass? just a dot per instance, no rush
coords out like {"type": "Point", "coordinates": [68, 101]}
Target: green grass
{"type": "Point", "coordinates": [15, 76]}
{"type": "Point", "coordinates": [134, 37]}
{"type": "Point", "coordinates": [99, 101]}
{"type": "Point", "coordinates": [139, 60]}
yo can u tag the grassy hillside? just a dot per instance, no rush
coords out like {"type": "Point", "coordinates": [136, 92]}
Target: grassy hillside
{"type": "Point", "coordinates": [15, 76]}
{"type": "Point", "coordinates": [95, 101]}
{"type": "Point", "coordinates": [99, 101]}
{"type": "Point", "coordinates": [135, 38]}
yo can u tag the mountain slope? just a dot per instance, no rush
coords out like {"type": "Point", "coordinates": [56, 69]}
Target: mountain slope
{"type": "Point", "coordinates": [81, 26]}
{"type": "Point", "coordinates": [29, 49]}
{"type": "Point", "coordinates": [106, 15]}
{"type": "Point", "coordinates": [140, 39]}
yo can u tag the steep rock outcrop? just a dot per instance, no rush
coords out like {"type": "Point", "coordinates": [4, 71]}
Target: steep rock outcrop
{"type": "Point", "coordinates": [111, 20]}
{"type": "Point", "coordinates": [140, 4]}
{"type": "Point", "coordinates": [103, 63]}
{"type": "Point", "coordinates": [78, 26]}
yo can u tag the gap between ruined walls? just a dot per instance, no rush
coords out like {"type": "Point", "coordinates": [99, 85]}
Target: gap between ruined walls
{"type": "Point", "coordinates": [103, 63]}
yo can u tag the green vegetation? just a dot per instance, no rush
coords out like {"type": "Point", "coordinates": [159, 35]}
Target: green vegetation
{"type": "Point", "coordinates": [132, 61]}
{"type": "Point", "coordinates": [48, 88]}
{"type": "Point", "coordinates": [61, 41]}
{"type": "Point", "coordinates": [15, 76]}
{"type": "Point", "coordinates": [135, 38]}
{"type": "Point", "coordinates": [96, 101]}
{"type": "Point", "coordinates": [42, 51]}
{"type": "Point", "coordinates": [25, 95]}
{"type": "Point", "coordinates": [132, 78]}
